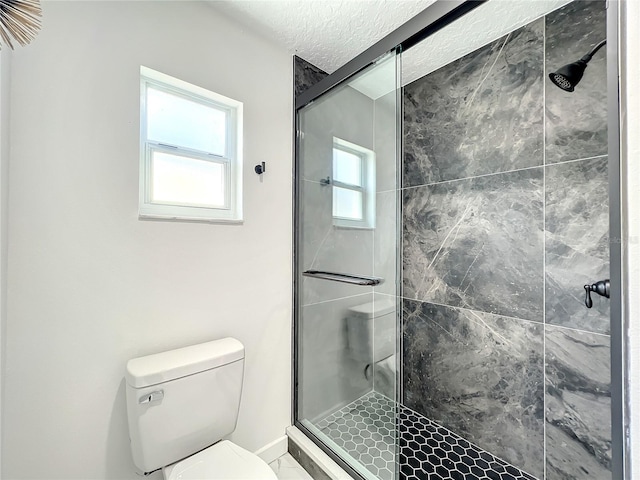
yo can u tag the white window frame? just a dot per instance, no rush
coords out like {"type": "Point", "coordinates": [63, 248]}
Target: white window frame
{"type": "Point", "coordinates": [231, 212]}
{"type": "Point", "coordinates": [367, 185]}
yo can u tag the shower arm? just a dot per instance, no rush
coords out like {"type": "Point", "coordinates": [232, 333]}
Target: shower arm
{"type": "Point", "coordinates": [587, 58]}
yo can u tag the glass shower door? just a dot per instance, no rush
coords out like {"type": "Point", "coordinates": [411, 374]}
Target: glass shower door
{"type": "Point", "coordinates": [347, 269]}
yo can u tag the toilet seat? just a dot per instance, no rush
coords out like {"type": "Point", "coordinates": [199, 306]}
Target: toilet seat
{"type": "Point", "coordinates": [222, 461]}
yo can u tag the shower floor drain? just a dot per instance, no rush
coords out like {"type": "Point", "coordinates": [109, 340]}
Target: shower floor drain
{"type": "Point", "coordinates": [365, 429]}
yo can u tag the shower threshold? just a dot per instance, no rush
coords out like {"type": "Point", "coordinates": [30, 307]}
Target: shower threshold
{"type": "Point", "coordinates": [366, 430]}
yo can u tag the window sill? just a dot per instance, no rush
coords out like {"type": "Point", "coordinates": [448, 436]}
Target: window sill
{"type": "Point", "coordinates": [173, 218]}
{"type": "Point", "coordinates": [352, 227]}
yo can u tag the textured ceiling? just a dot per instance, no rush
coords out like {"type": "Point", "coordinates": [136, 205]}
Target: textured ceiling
{"type": "Point", "coordinates": [479, 27]}
{"type": "Point", "coordinates": [327, 33]}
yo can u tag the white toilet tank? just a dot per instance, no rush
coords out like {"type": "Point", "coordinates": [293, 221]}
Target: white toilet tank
{"type": "Point", "coordinates": [371, 330]}
{"type": "Point", "coordinates": [181, 401]}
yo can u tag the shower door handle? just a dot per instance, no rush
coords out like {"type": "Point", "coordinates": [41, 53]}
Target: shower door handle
{"type": "Point", "coordinates": [344, 278]}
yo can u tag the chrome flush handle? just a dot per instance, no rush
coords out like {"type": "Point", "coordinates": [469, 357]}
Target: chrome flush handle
{"type": "Point", "coordinates": [152, 397]}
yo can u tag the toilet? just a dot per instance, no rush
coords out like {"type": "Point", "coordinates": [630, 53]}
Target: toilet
{"type": "Point", "coordinates": [371, 340]}
{"type": "Point", "coordinates": [180, 404]}
{"type": "Point", "coordinates": [371, 330]}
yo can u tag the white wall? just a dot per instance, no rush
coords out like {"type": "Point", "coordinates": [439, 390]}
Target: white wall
{"type": "Point", "coordinates": [5, 80]}
{"type": "Point", "coordinates": [91, 286]}
{"type": "Point", "coordinates": [631, 109]}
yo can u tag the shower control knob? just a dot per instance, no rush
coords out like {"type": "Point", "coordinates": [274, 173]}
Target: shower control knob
{"type": "Point", "coordinates": [601, 288]}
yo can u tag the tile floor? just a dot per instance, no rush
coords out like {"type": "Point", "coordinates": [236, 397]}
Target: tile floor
{"type": "Point", "coordinates": [286, 468]}
{"type": "Point", "coordinates": [428, 451]}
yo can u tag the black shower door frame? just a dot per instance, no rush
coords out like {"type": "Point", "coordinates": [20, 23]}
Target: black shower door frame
{"type": "Point", "coordinates": [429, 21]}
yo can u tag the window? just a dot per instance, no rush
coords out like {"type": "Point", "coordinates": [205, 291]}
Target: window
{"type": "Point", "coordinates": [353, 185]}
{"type": "Point", "coordinates": [190, 151]}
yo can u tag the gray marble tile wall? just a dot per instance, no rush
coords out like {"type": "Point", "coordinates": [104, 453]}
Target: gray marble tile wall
{"type": "Point", "coordinates": [577, 391]}
{"type": "Point", "coordinates": [577, 242]}
{"type": "Point", "coordinates": [480, 114]}
{"type": "Point", "coordinates": [305, 75]}
{"type": "Point", "coordinates": [578, 404]}
{"type": "Point", "coordinates": [576, 123]}
{"type": "Point", "coordinates": [480, 375]}
{"type": "Point", "coordinates": [477, 243]}
{"type": "Point", "coordinates": [505, 218]}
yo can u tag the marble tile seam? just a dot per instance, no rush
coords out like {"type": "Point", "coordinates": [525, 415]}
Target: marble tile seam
{"type": "Point", "coordinates": [388, 190]}
{"type": "Point", "coordinates": [547, 165]}
{"type": "Point", "coordinates": [543, 165]}
{"type": "Point", "coordinates": [335, 299]}
{"type": "Point", "coordinates": [534, 322]}
{"type": "Point", "coordinates": [392, 295]}
{"type": "Point", "coordinates": [472, 177]}
{"type": "Point", "coordinates": [562, 327]}
{"type": "Point", "coordinates": [550, 325]}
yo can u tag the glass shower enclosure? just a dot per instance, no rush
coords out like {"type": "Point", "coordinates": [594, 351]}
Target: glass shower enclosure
{"type": "Point", "coordinates": [348, 269]}
{"type": "Point", "coordinates": [456, 198]}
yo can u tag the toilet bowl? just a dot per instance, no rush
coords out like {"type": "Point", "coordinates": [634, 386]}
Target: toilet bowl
{"type": "Point", "coordinates": [180, 404]}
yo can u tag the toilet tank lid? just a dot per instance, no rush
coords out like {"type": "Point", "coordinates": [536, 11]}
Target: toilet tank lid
{"type": "Point", "coordinates": [165, 366]}
{"type": "Point", "coordinates": [377, 308]}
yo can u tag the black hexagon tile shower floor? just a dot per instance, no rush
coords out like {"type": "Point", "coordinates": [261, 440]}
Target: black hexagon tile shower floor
{"type": "Point", "coordinates": [365, 429]}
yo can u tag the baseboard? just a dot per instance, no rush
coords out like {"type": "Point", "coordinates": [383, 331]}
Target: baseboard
{"type": "Point", "coordinates": [273, 450]}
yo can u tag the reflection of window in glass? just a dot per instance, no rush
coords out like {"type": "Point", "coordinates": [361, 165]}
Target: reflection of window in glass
{"type": "Point", "coordinates": [191, 151]}
{"type": "Point", "coordinates": [353, 185]}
